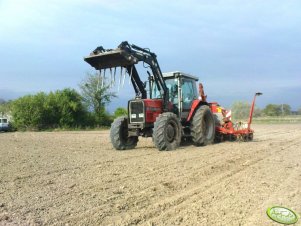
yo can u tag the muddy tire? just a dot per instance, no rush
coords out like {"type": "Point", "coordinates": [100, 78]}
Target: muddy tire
{"type": "Point", "coordinates": [218, 138]}
{"type": "Point", "coordinates": [119, 135]}
{"type": "Point", "coordinates": [203, 126]}
{"type": "Point", "coordinates": [167, 132]}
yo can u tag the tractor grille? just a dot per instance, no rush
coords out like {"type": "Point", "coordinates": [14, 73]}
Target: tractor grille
{"type": "Point", "coordinates": [136, 111]}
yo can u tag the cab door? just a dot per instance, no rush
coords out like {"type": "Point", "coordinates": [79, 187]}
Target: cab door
{"type": "Point", "coordinates": [189, 93]}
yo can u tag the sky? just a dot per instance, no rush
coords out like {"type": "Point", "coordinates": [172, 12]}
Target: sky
{"type": "Point", "coordinates": [235, 47]}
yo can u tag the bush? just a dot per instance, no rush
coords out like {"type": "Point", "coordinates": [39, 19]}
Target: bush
{"type": "Point", "coordinates": [240, 110]}
{"type": "Point", "coordinates": [28, 111]}
{"type": "Point", "coordinates": [120, 112]}
{"type": "Point", "coordinates": [277, 110]}
{"type": "Point", "coordinates": [62, 109]}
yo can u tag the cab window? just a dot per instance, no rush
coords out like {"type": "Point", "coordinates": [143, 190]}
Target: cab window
{"type": "Point", "coordinates": [189, 92]}
{"type": "Point", "coordinates": [172, 85]}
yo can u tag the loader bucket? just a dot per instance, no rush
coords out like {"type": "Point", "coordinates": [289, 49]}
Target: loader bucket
{"type": "Point", "coordinates": [110, 59]}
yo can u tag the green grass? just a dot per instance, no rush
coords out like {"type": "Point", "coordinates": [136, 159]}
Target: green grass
{"type": "Point", "coordinates": [278, 119]}
{"type": "Point", "coordinates": [289, 119]}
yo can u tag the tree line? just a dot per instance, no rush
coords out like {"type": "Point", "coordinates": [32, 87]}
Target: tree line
{"type": "Point", "coordinates": [240, 110]}
{"type": "Point", "coordinates": [69, 108]}
{"type": "Point", "coordinates": [65, 108]}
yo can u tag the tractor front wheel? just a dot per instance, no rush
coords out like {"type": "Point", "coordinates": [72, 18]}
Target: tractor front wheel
{"type": "Point", "coordinates": [167, 132]}
{"type": "Point", "coordinates": [119, 135]}
{"type": "Point", "coordinates": [203, 126]}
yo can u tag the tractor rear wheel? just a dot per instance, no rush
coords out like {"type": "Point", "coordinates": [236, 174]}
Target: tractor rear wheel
{"type": "Point", "coordinates": [119, 135]}
{"type": "Point", "coordinates": [167, 132]}
{"type": "Point", "coordinates": [203, 126]}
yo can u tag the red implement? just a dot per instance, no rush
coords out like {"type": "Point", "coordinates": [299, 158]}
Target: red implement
{"type": "Point", "coordinates": [226, 129]}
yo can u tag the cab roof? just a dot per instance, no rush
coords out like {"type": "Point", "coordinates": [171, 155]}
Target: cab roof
{"type": "Point", "coordinates": [179, 74]}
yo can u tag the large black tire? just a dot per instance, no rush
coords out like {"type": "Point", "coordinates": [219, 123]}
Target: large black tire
{"type": "Point", "coordinates": [167, 132]}
{"type": "Point", "coordinates": [203, 126]}
{"type": "Point", "coordinates": [218, 138]}
{"type": "Point", "coordinates": [119, 135]}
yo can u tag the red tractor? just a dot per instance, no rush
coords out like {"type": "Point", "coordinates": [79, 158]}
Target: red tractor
{"type": "Point", "coordinates": [169, 109]}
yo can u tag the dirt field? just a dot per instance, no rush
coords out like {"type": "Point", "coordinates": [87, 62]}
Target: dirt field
{"type": "Point", "coordinates": [76, 178]}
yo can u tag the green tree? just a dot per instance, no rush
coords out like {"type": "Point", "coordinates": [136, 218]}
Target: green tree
{"type": "Point", "coordinates": [71, 112]}
{"type": "Point", "coordinates": [257, 112]}
{"type": "Point", "coordinates": [120, 112]}
{"type": "Point", "coordinates": [5, 107]}
{"type": "Point", "coordinates": [277, 110]}
{"type": "Point", "coordinates": [285, 109]}
{"type": "Point", "coordinates": [63, 108]}
{"type": "Point", "coordinates": [28, 111]}
{"type": "Point", "coordinates": [53, 110]}
{"type": "Point", "coordinates": [96, 95]}
{"type": "Point", "coordinates": [240, 110]}
{"type": "Point", "coordinates": [272, 110]}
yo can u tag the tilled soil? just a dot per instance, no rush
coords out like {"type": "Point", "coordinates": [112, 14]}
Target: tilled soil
{"type": "Point", "coordinates": [76, 178]}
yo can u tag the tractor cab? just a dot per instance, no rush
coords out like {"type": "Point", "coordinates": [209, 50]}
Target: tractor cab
{"type": "Point", "coordinates": [182, 91]}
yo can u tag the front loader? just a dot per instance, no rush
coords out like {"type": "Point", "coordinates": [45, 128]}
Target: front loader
{"type": "Point", "coordinates": [168, 110]}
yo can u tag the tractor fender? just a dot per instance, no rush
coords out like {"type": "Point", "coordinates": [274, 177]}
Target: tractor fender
{"type": "Point", "coordinates": [195, 104]}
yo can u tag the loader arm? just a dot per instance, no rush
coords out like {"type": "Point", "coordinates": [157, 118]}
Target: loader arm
{"type": "Point", "coordinates": [127, 55]}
